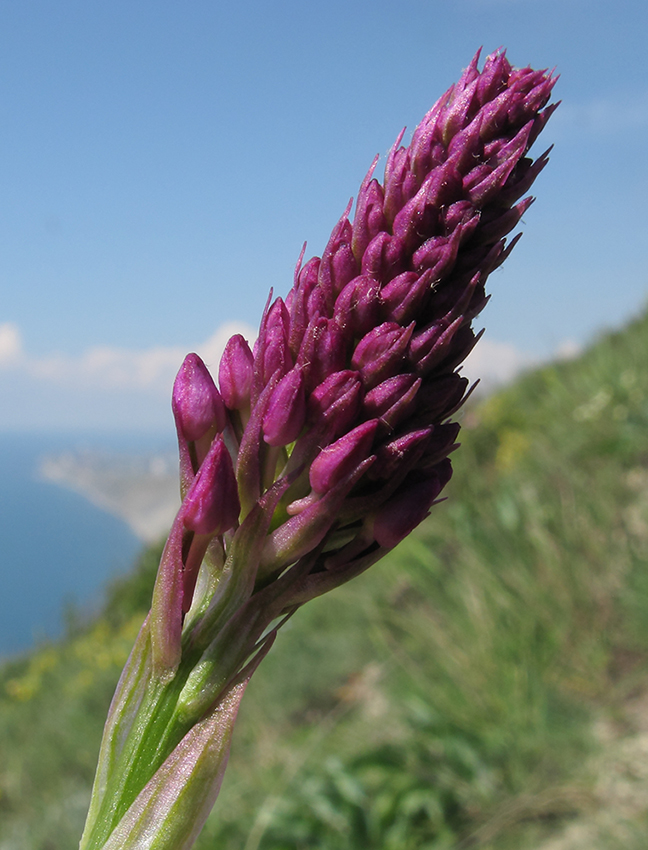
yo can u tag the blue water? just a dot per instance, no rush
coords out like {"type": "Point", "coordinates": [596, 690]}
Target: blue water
{"type": "Point", "coordinates": [55, 547]}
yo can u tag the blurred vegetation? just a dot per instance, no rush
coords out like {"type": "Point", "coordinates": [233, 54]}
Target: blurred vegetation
{"type": "Point", "coordinates": [483, 687]}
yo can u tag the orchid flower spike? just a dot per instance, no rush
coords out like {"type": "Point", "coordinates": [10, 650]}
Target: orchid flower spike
{"type": "Point", "coordinates": [327, 444]}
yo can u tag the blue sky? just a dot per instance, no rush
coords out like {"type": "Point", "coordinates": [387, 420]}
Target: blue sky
{"type": "Point", "coordinates": [161, 164]}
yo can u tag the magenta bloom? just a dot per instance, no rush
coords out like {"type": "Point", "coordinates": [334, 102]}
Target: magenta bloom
{"type": "Point", "coordinates": [369, 339]}
{"type": "Point", "coordinates": [329, 440]}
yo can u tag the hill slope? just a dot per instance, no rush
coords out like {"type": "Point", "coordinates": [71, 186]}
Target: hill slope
{"type": "Point", "coordinates": [482, 687]}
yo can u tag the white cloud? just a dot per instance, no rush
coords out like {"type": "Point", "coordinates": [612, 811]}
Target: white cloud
{"type": "Point", "coordinates": [568, 349]}
{"type": "Point", "coordinates": [498, 363]}
{"type": "Point", "coordinates": [495, 363]}
{"type": "Point", "coordinates": [105, 367]}
{"type": "Point", "coordinates": [10, 344]}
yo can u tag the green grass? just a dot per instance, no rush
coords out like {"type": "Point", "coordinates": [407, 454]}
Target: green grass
{"type": "Point", "coordinates": [448, 698]}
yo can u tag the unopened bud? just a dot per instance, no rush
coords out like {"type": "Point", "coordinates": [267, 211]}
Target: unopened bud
{"type": "Point", "coordinates": [286, 411]}
{"type": "Point", "coordinates": [197, 404]}
{"type": "Point", "coordinates": [339, 459]}
{"type": "Point", "coordinates": [409, 505]}
{"type": "Point", "coordinates": [235, 373]}
{"type": "Point", "coordinates": [212, 505]}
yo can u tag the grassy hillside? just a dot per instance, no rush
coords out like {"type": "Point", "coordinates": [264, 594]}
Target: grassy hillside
{"type": "Point", "coordinates": [484, 687]}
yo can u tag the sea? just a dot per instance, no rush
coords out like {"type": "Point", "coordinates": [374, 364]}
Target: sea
{"type": "Point", "coordinates": [57, 550]}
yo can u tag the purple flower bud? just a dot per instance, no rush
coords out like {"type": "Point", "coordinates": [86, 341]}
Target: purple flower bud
{"type": "Point", "coordinates": [430, 345]}
{"type": "Point", "coordinates": [425, 153]}
{"type": "Point", "coordinates": [396, 169]}
{"type": "Point", "coordinates": [339, 459]}
{"type": "Point", "coordinates": [316, 307]}
{"type": "Point", "coordinates": [458, 215]}
{"type": "Point", "coordinates": [404, 297]}
{"type": "Point", "coordinates": [249, 471]}
{"type": "Point", "coordinates": [336, 402]}
{"type": "Point", "coordinates": [300, 314]}
{"type": "Point", "coordinates": [442, 187]}
{"type": "Point", "coordinates": [323, 351]}
{"type": "Point", "coordinates": [286, 412]}
{"type": "Point", "coordinates": [409, 506]}
{"type": "Point", "coordinates": [441, 397]}
{"type": "Point", "coordinates": [465, 147]}
{"type": "Point", "coordinates": [358, 306]}
{"type": "Point", "coordinates": [456, 109]}
{"type": "Point", "coordinates": [338, 265]}
{"type": "Point", "coordinates": [400, 454]}
{"type": "Point", "coordinates": [369, 218]}
{"type": "Point", "coordinates": [481, 192]}
{"type": "Point", "coordinates": [306, 529]}
{"type": "Point", "coordinates": [271, 350]}
{"type": "Point", "coordinates": [212, 506]}
{"type": "Point", "coordinates": [441, 444]}
{"type": "Point", "coordinates": [381, 353]}
{"type": "Point", "coordinates": [393, 400]}
{"type": "Point", "coordinates": [384, 257]}
{"type": "Point", "coordinates": [309, 274]}
{"type": "Point", "coordinates": [235, 373]}
{"type": "Point", "coordinates": [197, 404]}
{"type": "Point", "coordinates": [495, 70]}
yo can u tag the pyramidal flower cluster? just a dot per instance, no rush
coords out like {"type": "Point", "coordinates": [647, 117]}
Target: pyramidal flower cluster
{"type": "Point", "coordinates": [322, 446]}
